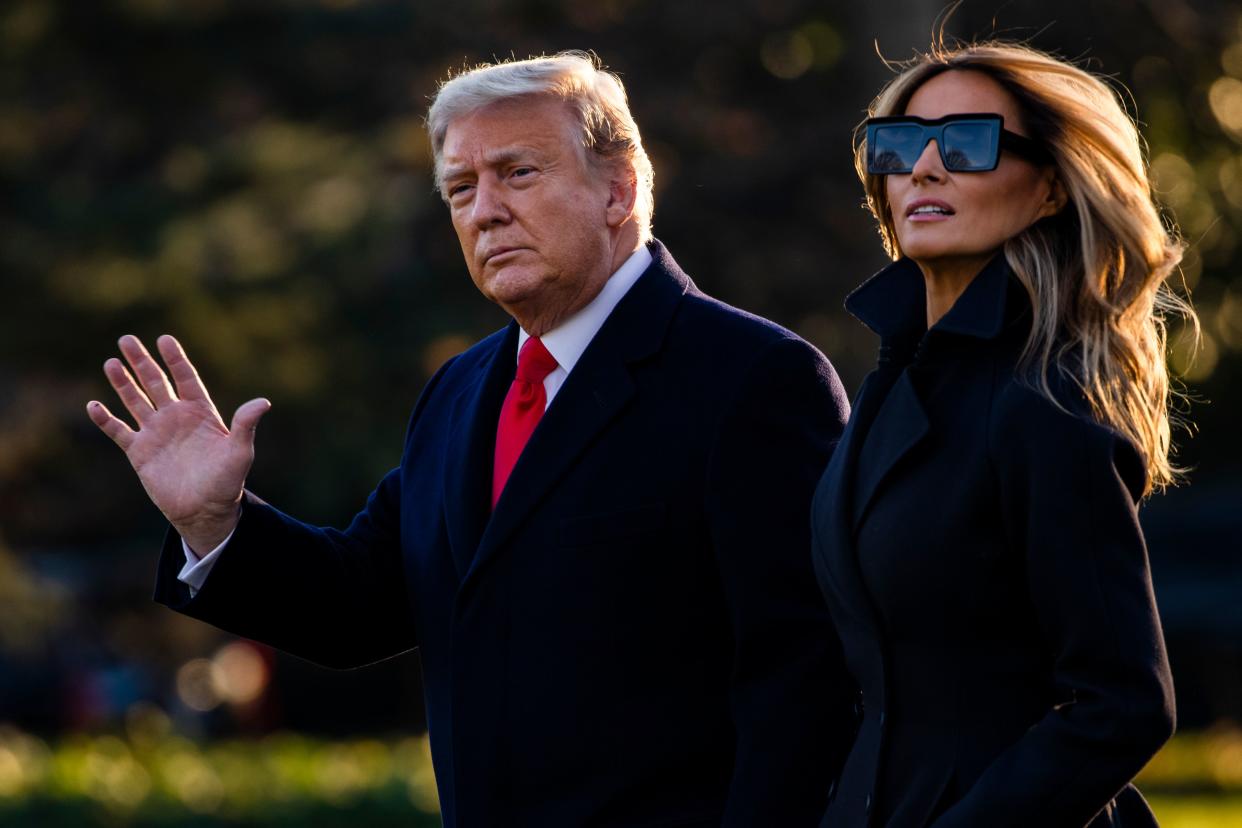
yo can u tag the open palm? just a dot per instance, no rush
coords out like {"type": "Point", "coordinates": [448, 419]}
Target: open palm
{"type": "Point", "coordinates": [192, 466]}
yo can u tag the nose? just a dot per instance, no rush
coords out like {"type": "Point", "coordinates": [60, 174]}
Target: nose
{"type": "Point", "coordinates": [489, 208]}
{"type": "Point", "coordinates": [928, 167]}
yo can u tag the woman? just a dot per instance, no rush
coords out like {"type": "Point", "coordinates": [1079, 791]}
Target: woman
{"type": "Point", "coordinates": [976, 531]}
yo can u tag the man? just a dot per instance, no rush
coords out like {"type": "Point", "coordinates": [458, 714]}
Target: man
{"type": "Point", "coordinates": [598, 532]}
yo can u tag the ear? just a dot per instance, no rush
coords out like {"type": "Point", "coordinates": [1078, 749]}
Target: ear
{"type": "Point", "coordinates": [622, 194]}
{"type": "Point", "coordinates": [1054, 196]}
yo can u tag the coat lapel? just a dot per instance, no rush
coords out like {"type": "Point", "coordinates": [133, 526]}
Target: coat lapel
{"type": "Point", "coordinates": [888, 420]}
{"type": "Point", "coordinates": [893, 304]}
{"type": "Point", "coordinates": [468, 461]}
{"type": "Point", "coordinates": [899, 425]}
{"type": "Point", "coordinates": [833, 503]}
{"type": "Point", "coordinates": [596, 391]}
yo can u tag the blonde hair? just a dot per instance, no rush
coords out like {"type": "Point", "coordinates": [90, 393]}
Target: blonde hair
{"type": "Point", "coordinates": [1096, 271]}
{"type": "Point", "coordinates": [595, 95]}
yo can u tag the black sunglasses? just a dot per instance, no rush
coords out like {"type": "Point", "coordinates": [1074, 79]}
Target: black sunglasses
{"type": "Point", "coordinates": [968, 143]}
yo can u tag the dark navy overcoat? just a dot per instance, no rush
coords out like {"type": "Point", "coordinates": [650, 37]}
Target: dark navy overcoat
{"type": "Point", "coordinates": [634, 636]}
{"type": "Point", "coordinates": [980, 552]}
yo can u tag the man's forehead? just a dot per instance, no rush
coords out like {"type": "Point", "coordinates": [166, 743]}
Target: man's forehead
{"type": "Point", "coordinates": [468, 153]}
{"type": "Point", "coordinates": [516, 124]}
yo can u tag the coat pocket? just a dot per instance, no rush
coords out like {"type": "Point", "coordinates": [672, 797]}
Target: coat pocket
{"type": "Point", "coordinates": [612, 526]}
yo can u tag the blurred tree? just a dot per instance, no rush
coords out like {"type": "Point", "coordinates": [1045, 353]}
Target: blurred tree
{"type": "Point", "coordinates": [34, 608]}
{"type": "Point", "coordinates": [253, 176]}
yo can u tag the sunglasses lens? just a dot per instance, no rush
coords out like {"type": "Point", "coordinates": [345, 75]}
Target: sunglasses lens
{"type": "Point", "coordinates": [970, 146]}
{"type": "Point", "coordinates": [895, 148]}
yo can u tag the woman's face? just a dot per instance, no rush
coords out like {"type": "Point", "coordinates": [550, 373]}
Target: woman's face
{"type": "Point", "coordinates": [974, 212]}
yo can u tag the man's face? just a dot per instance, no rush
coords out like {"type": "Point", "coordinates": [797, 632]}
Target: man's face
{"type": "Point", "coordinates": [530, 212]}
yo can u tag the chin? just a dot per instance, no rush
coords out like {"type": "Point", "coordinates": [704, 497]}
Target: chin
{"type": "Point", "coordinates": [928, 252]}
{"type": "Point", "coordinates": [512, 288]}
{"type": "Point", "coordinates": [929, 246]}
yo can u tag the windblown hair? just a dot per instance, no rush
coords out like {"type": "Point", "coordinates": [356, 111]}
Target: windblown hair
{"type": "Point", "coordinates": [595, 95]}
{"type": "Point", "coordinates": [1096, 271]}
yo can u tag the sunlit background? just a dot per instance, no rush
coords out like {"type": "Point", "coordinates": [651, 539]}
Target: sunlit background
{"type": "Point", "coordinates": [252, 175]}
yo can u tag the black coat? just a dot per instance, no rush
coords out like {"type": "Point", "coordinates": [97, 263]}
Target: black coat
{"type": "Point", "coordinates": [633, 637]}
{"type": "Point", "coordinates": [980, 551]}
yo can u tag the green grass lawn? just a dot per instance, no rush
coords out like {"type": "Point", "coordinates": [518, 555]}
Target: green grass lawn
{"type": "Point", "coordinates": [1196, 780]}
{"type": "Point", "coordinates": [151, 777]}
{"type": "Point", "coordinates": [1215, 810]}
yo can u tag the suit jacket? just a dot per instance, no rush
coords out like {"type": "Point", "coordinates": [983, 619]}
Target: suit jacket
{"type": "Point", "coordinates": [633, 636]}
{"type": "Point", "coordinates": [980, 551]}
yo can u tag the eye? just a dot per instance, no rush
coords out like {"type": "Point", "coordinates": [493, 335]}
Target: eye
{"type": "Point", "coordinates": [457, 189]}
{"type": "Point", "coordinates": [522, 172]}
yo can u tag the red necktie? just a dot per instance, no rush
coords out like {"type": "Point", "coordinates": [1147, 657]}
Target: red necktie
{"type": "Point", "coordinates": [523, 406]}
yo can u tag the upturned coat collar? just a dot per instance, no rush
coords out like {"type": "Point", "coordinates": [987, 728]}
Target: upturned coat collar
{"type": "Point", "coordinates": [893, 303]}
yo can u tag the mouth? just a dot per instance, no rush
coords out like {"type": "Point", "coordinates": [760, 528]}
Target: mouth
{"type": "Point", "coordinates": [498, 252]}
{"type": "Point", "coordinates": [929, 210]}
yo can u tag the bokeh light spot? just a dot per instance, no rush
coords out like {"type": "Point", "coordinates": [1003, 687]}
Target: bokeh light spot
{"type": "Point", "coordinates": [239, 675]}
{"type": "Point", "coordinates": [787, 55]}
{"type": "Point", "coordinates": [1225, 98]}
{"type": "Point", "coordinates": [195, 686]}
{"type": "Point", "coordinates": [1174, 180]}
{"type": "Point", "coordinates": [1193, 359]}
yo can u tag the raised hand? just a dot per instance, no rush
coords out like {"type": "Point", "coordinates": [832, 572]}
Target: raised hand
{"type": "Point", "coordinates": [191, 465]}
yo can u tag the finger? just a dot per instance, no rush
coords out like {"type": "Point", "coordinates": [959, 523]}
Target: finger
{"type": "Point", "coordinates": [185, 377]}
{"type": "Point", "coordinates": [246, 420]}
{"type": "Point", "coordinates": [154, 382]}
{"type": "Point", "coordinates": [120, 433]}
{"type": "Point", "coordinates": [136, 402]}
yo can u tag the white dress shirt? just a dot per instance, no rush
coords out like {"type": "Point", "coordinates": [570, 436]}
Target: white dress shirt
{"type": "Point", "coordinates": [566, 342]}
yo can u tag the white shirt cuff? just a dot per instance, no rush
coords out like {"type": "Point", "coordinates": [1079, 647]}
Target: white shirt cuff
{"type": "Point", "coordinates": [196, 569]}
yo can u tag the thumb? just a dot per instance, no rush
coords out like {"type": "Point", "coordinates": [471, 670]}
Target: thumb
{"type": "Point", "coordinates": [246, 419]}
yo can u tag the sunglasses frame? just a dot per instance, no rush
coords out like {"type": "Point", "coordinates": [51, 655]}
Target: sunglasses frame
{"type": "Point", "coordinates": [933, 130]}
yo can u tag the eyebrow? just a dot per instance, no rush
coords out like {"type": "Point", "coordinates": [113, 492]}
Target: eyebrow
{"type": "Point", "coordinates": [496, 158]}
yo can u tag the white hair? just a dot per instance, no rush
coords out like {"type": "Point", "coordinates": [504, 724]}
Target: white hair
{"type": "Point", "coordinates": [595, 95]}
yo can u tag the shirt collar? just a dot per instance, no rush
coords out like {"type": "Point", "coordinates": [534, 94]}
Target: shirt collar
{"type": "Point", "coordinates": [568, 340]}
{"type": "Point", "coordinates": [893, 302]}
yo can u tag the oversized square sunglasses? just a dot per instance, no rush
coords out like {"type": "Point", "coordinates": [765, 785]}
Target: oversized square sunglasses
{"type": "Point", "coordinates": [968, 142]}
